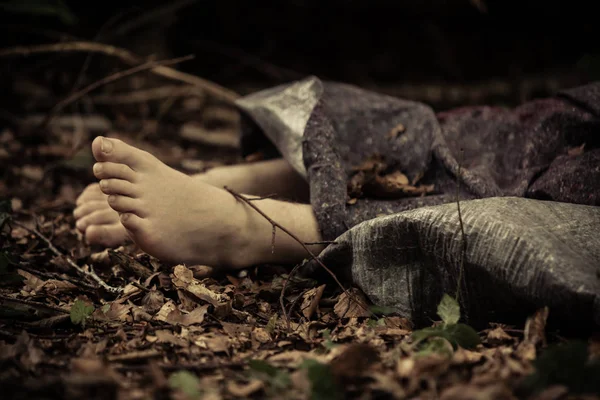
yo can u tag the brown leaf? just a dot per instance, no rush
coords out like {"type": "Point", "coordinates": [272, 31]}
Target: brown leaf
{"type": "Point", "coordinates": [212, 342]}
{"type": "Point", "coordinates": [115, 312]}
{"type": "Point", "coordinates": [471, 392]}
{"type": "Point", "coordinates": [534, 334]}
{"type": "Point", "coordinates": [354, 360]}
{"type": "Point", "coordinates": [195, 317]}
{"type": "Point", "coordinates": [165, 336]}
{"type": "Point", "coordinates": [352, 304]}
{"type": "Point", "coordinates": [183, 278]}
{"type": "Point", "coordinates": [394, 185]}
{"type": "Point", "coordinates": [374, 163]}
{"type": "Point", "coordinates": [310, 301]}
{"type": "Point", "coordinates": [498, 336]}
{"type": "Point", "coordinates": [575, 151]}
{"type": "Point", "coordinates": [153, 301]}
{"type": "Point", "coordinates": [260, 336]}
{"type": "Point", "coordinates": [52, 286]}
{"type": "Point", "coordinates": [235, 330]}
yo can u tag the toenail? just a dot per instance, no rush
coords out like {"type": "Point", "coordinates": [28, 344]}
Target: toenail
{"type": "Point", "coordinates": [124, 217]}
{"type": "Point", "coordinates": [105, 145]}
{"type": "Point", "coordinates": [80, 225]}
{"type": "Point", "coordinates": [97, 168]}
{"type": "Point", "coordinates": [111, 199]}
{"type": "Point", "coordinates": [103, 184]}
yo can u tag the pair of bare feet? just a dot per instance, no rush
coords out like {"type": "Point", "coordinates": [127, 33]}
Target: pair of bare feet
{"type": "Point", "coordinates": [190, 219]}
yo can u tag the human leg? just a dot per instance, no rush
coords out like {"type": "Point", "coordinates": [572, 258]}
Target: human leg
{"type": "Point", "coordinates": [101, 224]}
{"type": "Point", "coordinates": [181, 219]}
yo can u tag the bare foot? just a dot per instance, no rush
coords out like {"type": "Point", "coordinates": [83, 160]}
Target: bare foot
{"type": "Point", "coordinates": [95, 218]}
{"type": "Point", "coordinates": [168, 214]}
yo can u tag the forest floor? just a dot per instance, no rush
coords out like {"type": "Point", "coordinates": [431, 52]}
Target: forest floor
{"type": "Point", "coordinates": [84, 322]}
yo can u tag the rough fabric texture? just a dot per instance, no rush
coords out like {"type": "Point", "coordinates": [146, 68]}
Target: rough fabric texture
{"type": "Point", "coordinates": [521, 255]}
{"type": "Point", "coordinates": [547, 149]}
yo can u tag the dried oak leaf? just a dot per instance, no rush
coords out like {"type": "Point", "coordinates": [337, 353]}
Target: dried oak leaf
{"type": "Point", "coordinates": [498, 336]}
{"type": "Point", "coordinates": [352, 304]}
{"type": "Point", "coordinates": [183, 278]}
{"type": "Point", "coordinates": [310, 301]}
{"type": "Point", "coordinates": [354, 360]}
{"type": "Point", "coordinates": [52, 286]}
{"type": "Point", "coordinates": [534, 335]}
{"type": "Point", "coordinates": [166, 336]}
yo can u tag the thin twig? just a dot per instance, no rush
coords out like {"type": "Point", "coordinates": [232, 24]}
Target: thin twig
{"type": "Point", "coordinates": [301, 243]}
{"type": "Point", "coordinates": [90, 274]}
{"type": "Point", "coordinates": [127, 57]}
{"type": "Point", "coordinates": [145, 95]}
{"type": "Point", "coordinates": [462, 231]}
{"type": "Point", "coordinates": [268, 196]}
{"type": "Point", "coordinates": [106, 80]}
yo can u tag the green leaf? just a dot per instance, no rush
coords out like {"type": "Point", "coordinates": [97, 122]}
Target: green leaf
{"type": "Point", "coordinates": [263, 367]}
{"type": "Point", "coordinates": [277, 378]}
{"type": "Point", "coordinates": [328, 343]}
{"type": "Point", "coordinates": [80, 312]}
{"type": "Point", "coordinates": [186, 382]}
{"type": "Point", "coordinates": [567, 365]}
{"type": "Point", "coordinates": [381, 310]}
{"type": "Point", "coordinates": [49, 8]}
{"type": "Point", "coordinates": [458, 334]}
{"type": "Point", "coordinates": [437, 345]}
{"type": "Point", "coordinates": [271, 325]}
{"type": "Point", "coordinates": [449, 310]}
{"type": "Point", "coordinates": [323, 384]}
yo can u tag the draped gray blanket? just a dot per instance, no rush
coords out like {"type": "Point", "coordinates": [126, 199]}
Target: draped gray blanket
{"type": "Point", "coordinates": [533, 240]}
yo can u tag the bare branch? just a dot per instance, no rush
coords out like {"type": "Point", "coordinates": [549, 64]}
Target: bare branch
{"type": "Point", "coordinates": [127, 57]}
{"type": "Point", "coordinates": [301, 243]}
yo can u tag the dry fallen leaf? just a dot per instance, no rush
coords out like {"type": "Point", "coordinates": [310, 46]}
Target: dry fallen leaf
{"type": "Point", "coordinates": [352, 304]}
{"type": "Point", "coordinates": [310, 301]}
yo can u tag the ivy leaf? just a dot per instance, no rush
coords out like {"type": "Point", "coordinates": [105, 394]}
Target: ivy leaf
{"type": "Point", "coordinates": [449, 310]}
{"type": "Point", "coordinates": [186, 382]}
{"type": "Point", "coordinates": [80, 312]}
{"type": "Point", "coordinates": [322, 381]}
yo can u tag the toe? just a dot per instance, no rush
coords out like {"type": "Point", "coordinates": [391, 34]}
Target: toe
{"type": "Point", "coordinates": [118, 186]}
{"type": "Point", "coordinates": [100, 217]}
{"type": "Point", "coordinates": [91, 192]}
{"type": "Point", "coordinates": [107, 170]}
{"type": "Point", "coordinates": [106, 235]}
{"type": "Point", "coordinates": [89, 207]}
{"type": "Point", "coordinates": [133, 223]}
{"type": "Point", "coordinates": [125, 204]}
{"type": "Point", "coordinates": [117, 151]}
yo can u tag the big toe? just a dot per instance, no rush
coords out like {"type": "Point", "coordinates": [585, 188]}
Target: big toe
{"type": "Point", "coordinates": [117, 151]}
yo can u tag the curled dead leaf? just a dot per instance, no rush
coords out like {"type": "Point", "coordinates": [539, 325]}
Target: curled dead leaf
{"type": "Point", "coordinates": [310, 301]}
{"type": "Point", "coordinates": [352, 304]}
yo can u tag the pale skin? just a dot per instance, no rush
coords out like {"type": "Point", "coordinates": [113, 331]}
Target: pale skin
{"type": "Point", "coordinates": [192, 219]}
